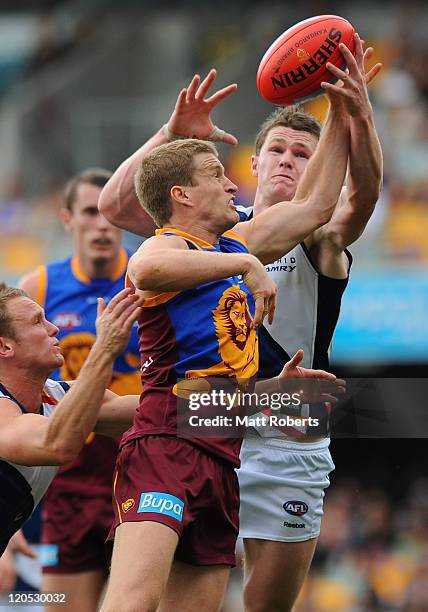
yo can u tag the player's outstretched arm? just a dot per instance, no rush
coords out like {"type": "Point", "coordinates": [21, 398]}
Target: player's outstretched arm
{"type": "Point", "coordinates": [165, 264]}
{"type": "Point", "coordinates": [365, 168]}
{"type": "Point", "coordinates": [277, 230]}
{"type": "Point", "coordinates": [32, 439]}
{"type": "Point", "coordinates": [116, 414]}
{"type": "Point", "coordinates": [191, 118]}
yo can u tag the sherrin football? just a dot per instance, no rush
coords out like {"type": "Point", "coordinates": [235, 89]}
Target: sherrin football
{"type": "Point", "coordinates": [293, 67]}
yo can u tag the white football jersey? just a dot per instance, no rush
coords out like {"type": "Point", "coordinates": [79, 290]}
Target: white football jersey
{"type": "Point", "coordinates": [39, 477]}
{"type": "Point", "coordinates": [307, 311]}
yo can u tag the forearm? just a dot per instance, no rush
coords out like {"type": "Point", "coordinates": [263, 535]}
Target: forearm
{"type": "Point", "coordinates": [365, 163]}
{"type": "Point", "coordinates": [118, 201]}
{"type": "Point", "coordinates": [179, 270]}
{"type": "Point", "coordinates": [323, 178]}
{"type": "Point", "coordinates": [77, 412]}
{"type": "Point", "coordinates": [117, 415]}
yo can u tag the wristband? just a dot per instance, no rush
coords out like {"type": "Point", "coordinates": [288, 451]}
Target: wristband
{"type": "Point", "coordinates": [216, 135]}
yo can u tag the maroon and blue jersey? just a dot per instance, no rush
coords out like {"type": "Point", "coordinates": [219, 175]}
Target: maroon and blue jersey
{"type": "Point", "coordinates": [192, 334]}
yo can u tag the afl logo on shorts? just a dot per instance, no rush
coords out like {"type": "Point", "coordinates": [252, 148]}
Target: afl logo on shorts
{"type": "Point", "coordinates": [67, 320]}
{"type": "Point", "coordinates": [296, 508]}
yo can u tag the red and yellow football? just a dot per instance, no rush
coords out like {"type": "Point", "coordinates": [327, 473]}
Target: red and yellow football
{"type": "Point", "coordinates": [293, 67]}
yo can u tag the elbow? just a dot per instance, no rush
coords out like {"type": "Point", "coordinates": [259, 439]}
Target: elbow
{"type": "Point", "coordinates": [373, 198]}
{"type": "Point", "coordinates": [379, 187]}
{"type": "Point", "coordinates": [65, 453]}
{"type": "Point", "coordinates": [368, 198]}
{"type": "Point", "coordinates": [143, 274]}
{"type": "Point", "coordinates": [324, 216]}
{"type": "Point", "coordinates": [373, 188]}
{"type": "Point", "coordinates": [106, 205]}
{"type": "Point", "coordinates": [64, 456]}
{"type": "Point", "coordinates": [318, 215]}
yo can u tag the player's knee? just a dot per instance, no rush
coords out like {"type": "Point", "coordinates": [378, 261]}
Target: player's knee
{"type": "Point", "coordinates": [131, 605]}
{"type": "Point", "coordinates": [133, 600]}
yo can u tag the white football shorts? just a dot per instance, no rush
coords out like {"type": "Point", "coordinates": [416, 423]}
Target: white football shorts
{"type": "Point", "coordinates": [282, 486]}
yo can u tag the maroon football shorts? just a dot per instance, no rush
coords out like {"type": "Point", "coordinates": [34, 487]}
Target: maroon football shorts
{"type": "Point", "coordinates": [170, 481]}
{"type": "Point", "coordinates": [74, 534]}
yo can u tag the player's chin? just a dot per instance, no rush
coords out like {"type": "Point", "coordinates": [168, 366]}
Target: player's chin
{"type": "Point", "coordinates": [234, 217]}
{"type": "Point", "coordinates": [230, 222]}
{"type": "Point", "coordinates": [58, 360]}
{"type": "Point", "coordinates": [101, 257]}
{"type": "Point", "coordinates": [284, 192]}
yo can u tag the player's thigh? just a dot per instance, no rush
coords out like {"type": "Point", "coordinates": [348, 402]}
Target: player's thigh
{"type": "Point", "coordinates": [192, 587]}
{"type": "Point", "coordinates": [83, 590]}
{"type": "Point", "coordinates": [141, 563]}
{"type": "Point", "coordinates": [274, 573]}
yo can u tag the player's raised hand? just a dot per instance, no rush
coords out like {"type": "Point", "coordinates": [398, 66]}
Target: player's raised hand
{"type": "Point", "coordinates": [293, 369]}
{"type": "Point", "coordinates": [351, 87]}
{"type": "Point", "coordinates": [115, 320]}
{"type": "Point", "coordinates": [374, 70]}
{"type": "Point", "coordinates": [263, 290]}
{"type": "Point", "coordinates": [192, 112]}
{"type": "Point", "coordinates": [324, 387]}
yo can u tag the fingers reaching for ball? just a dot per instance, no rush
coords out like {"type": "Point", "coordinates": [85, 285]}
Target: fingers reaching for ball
{"type": "Point", "coordinates": [350, 89]}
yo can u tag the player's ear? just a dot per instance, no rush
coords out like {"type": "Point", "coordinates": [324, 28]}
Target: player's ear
{"type": "Point", "coordinates": [6, 347]}
{"type": "Point", "coordinates": [66, 215]}
{"type": "Point", "coordinates": [179, 194]}
{"type": "Point", "coordinates": [254, 164]}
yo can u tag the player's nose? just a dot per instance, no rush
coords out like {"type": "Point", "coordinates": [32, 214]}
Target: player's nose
{"type": "Point", "coordinates": [52, 329]}
{"type": "Point", "coordinates": [230, 186]}
{"type": "Point", "coordinates": [286, 159]}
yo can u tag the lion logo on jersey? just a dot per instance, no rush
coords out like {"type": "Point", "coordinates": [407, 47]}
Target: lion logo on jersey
{"type": "Point", "coordinates": [75, 349]}
{"type": "Point", "coordinates": [237, 342]}
{"type": "Point", "coordinates": [232, 318]}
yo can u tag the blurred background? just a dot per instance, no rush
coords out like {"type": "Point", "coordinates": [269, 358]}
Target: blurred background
{"type": "Point", "coordinates": [85, 83]}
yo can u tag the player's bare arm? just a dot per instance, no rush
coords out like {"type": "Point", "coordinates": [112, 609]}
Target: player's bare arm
{"type": "Point", "coordinates": [277, 230]}
{"type": "Point", "coordinates": [33, 439]}
{"type": "Point", "coordinates": [191, 117]}
{"type": "Point", "coordinates": [116, 414]}
{"type": "Point", "coordinates": [165, 263]}
{"type": "Point", "coordinates": [364, 180]}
